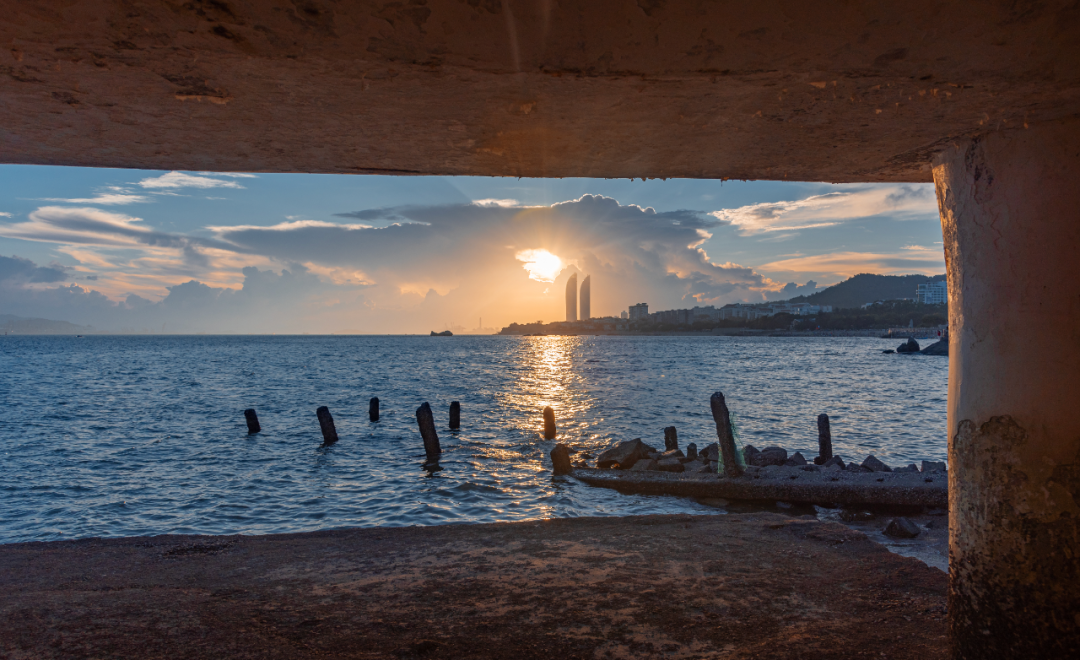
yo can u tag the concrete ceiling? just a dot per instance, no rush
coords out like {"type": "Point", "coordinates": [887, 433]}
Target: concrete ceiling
{"type": "Point", "coordinates": [770, 89]}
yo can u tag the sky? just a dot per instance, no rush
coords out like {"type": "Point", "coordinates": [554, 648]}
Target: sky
{"type": "Point", "coordinates": [181, 252]}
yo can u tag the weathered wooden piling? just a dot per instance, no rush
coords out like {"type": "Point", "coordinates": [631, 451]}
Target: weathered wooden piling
{"type": "Point", "coordinates": [824, 438]}
{"type": "Point", "coordinates": [426, 421]}
{"type": "Point", "coordinates": [455, 415]}
{"type": "Point", "coordinates": [252, 421]}
{"type": "Point", "coordinates": [549, 423]}
{"type": "Point", "coordinates": [326, 423]}
{"type": "Point", "coordinates": [373, 409]}
{"type": "Point", "coordinates": [725, 435]}
{"type": "Point", "coordinates": [560, 460]}
{"type": "Point", "coordinates": [671, 438]}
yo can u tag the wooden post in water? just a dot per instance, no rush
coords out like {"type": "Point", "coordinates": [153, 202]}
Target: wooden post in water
{"type": "Point", "coordinates": [549, 424]}
{"type": "Point", "coordinates": [252, 421]}
{"type": "Point", "coordinates": [373, 409]}
{"type": "Point", "coordinates": [824, 438]}
{"type": "Point", "coordinates": [725, 435]}
{"type": "Point", "coordinates": [426, 422]}
{"type": "Point", "coordinates": [671, 438]}
{"type": "Point", "coordinates": [326, 423]}
{"type": "Point", "coordinates": [455, 415]}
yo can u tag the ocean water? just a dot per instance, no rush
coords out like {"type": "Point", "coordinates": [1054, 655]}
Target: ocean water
{"type": "Point", "coordinates": [121, 436]}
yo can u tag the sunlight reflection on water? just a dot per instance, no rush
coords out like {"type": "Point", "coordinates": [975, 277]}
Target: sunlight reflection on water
{"type": "Point", "coordinates": [118, 436]}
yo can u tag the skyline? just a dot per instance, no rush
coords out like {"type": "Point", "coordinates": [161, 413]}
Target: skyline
{"type": "Point", "coordinates": [242, 252]}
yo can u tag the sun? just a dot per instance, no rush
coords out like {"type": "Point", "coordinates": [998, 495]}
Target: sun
{"type": "Point", "coordinates": [542, 265]}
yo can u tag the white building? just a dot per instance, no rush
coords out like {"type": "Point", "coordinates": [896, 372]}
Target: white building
{"type": "Point", "coordinates": [639, 311]}
{"type": "Point", "coordinates": [933, 293]}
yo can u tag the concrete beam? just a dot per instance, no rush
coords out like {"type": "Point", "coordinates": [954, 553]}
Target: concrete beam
{"type": "Point", "coordinates": [867, 90]}
{"type": "Point", "coordinates": [1010, 204]}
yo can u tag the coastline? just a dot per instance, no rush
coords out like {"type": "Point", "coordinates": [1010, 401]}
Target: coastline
{"type": "Point", "coordinates": [744, 585]}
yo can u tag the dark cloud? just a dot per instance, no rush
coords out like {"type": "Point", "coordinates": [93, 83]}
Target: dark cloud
{"type": "Point", "coordinates": [16, 270]}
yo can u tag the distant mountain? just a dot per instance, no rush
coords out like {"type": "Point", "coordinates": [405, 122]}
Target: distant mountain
{"type": "Point", "coordinates": [18, 325]}
{"type": "Point", "coordinates": [867, 288]}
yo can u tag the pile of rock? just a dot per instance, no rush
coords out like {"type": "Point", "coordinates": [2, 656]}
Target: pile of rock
{"type": "Point", "coordinates": [639, 456]}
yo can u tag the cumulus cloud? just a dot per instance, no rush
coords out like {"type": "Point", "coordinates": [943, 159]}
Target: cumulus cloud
{"type": "Point", "coordinates": [496, 202]}
{"type": "Point", "coordinates": [831, 209]}
{"type": "Point", "coordinates": [181, 180]}
{"type": "Point", "coordinates": [4, 214]}
{"type": "Point", "coordinates": [16, 270]}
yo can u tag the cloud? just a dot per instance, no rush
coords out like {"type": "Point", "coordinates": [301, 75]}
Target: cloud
{"type": "Point", "coordinates": [831, 209]}
{"type": "Point", "coordinates": [792, 289]}
{"type": "Point", "coordinates": [16, 270]}
{"type": "Point", "coordinates": [4, 214]}
{"type": "Point", "coordinates": [235, 175]}
{"type": "Point", "coordinates": [106, 199]}
{"type": "Point", "coordinates": [496, 202]}
{"type": "Point", "coordinates": [927, 261]}
{"type": "Point", "coordinates": [90, 226]}
{"type": "Point", "coordinates": [181, 180]}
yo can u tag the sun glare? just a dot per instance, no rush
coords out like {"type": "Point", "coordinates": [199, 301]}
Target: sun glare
{"type": "Point", "coordinates": [542, 265]}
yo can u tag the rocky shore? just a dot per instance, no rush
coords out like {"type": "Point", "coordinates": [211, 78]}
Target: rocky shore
{"type": "Point", "coordinates": [757, 585]}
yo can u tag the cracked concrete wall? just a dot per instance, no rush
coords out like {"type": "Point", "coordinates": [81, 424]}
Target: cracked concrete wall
{"type": "Point", "coordinates": [1010, 211]}
{"type": "Point", "coordinates": [864, 90]}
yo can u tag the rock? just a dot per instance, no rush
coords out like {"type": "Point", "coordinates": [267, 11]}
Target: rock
{"type": "Point", "coordinates": [874, 465]}
{"type": "Point", "coordinates": [901, 528]}
{"type": "Point", "coordinates": [444, 333]}
{"type": "Point", "coordinates": [691, 451]}
{"type": "Point", "coordinates": [714, 467]}
{"type": "Point", "coordinates": [625, 454]}
{"type": "Point", "coordinates": [835, 460]}
{"type": "Point", "coordinates": [770, 456]}
{"type": "Point", "coordinates": [560, 460]}
{"type": "Point", "coordinates": [796, 459]}
{"type": "Point", "coordinates": [910, 468]}
{"type": "Point", "coordinates": [810, 468]}
{"type": "Point", "coordinates": [670, 465]}
{"type": "Point", "coordinates": [583, 464]}
{"type": "Point", "coordinates": [910, 346]}
{"type": "Point", "coordinates": [749, 452]}
{"type": "Point", "coordinates": [644, 464]}
{"type": "Point", "coordinates": [586, 455]}
{"type": "Point", "coordinates": [888, 351]}
{"type": "Point", "coordinates": [672, 453]}
{"type": "Point", "coordinates": [933, 466]}
{"type": "Point", "coordinates": [855, 467]}
{"type": "Point", "coordinates": [851, 515]}
{"type": "Point", "coordinates": [697, 468]}
{"type": "Point", "coordinates": [711, 452]}
{"type": "Point", "coordinates": [940, 347]}
{"type": "Point", "coordinates": [833, 468]}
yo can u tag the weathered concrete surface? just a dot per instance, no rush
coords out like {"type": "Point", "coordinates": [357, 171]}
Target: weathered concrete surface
{"type": "Point", "coordinates": [1009, 208]}
{"type": "Point", "coordinates": [785, 484]}
{"type": "Point", "coordinates": [867, 90]}
{"type": "Point", "coordinates": [734, 586]}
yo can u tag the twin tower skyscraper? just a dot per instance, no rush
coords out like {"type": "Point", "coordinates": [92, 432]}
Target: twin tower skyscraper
{"type": "Point", "coordinates": [572, 299]}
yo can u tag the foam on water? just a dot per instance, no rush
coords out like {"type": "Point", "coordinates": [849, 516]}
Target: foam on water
{"type": "Point", "coordinates": [122, 436]}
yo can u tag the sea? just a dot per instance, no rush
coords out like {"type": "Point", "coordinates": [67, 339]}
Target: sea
{"type": "Point", "coordinates": [108, 436]}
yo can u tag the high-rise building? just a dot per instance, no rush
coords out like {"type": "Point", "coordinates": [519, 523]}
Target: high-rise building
{"type": "Point", "coordinates": [571, 298]}
{"type": "Point", "coordinates": [639, 311]}
{"type": "Point", "coordinates": [586, 298]}
{"type": "Point", "coordinates": [933, 293]}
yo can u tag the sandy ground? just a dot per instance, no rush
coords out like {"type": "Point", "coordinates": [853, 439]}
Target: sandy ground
{"type": "Point", "coordinates": [755, 585]}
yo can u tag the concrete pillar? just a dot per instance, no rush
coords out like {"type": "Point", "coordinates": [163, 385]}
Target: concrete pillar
{"type": "Point", "coordinates": [1010, 215]}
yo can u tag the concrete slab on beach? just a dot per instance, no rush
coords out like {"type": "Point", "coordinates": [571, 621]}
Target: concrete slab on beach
{"type": "Point", "coordinates": [676, 586]}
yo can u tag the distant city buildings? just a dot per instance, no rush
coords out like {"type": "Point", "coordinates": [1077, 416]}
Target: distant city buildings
{"type": "Point", "coordinates": [624, 315]}
{"type": "Point", "coordinates": [639, 312]}
{"type": "Point", "coordinates": [586, 298]}
{"type": "Point", "coordinates": [571, 298]}
{"type": "Point", "coordinates": [933, 293]}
